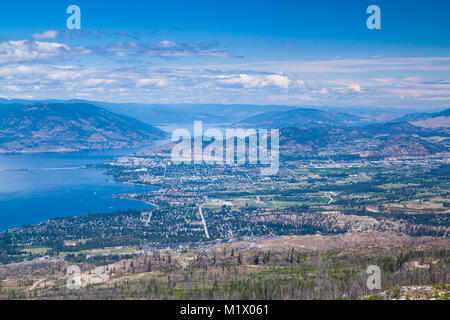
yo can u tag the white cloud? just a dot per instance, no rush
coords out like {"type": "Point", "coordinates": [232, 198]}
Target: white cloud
{"type": "Point", "coordinates": [11, 88]}
{"type": "Point", "coordinates": [354, 87]}
{"type": "Point", "coordinates": [321, 91]}
{"type": "Point", "coordinates": [24, 50]}
{"type": "Point", "coordinates": [412, 79]}
{"type": "Point", "coordinates": [94, 82]}
{"type": "Point", "coordinates": [255, 81]}
{"type": "Point", "coordinates": [167, 44]}
{"type": "Point", "coordinates": [355, 65]}
{"type": "Point", "coordinates": [151, 83]}
{"type": "Point", "coordinates": [164, 48]}
{"type": "Point", "coordinates": [385, 81]}
{"type": "Point", "coordinates": [300, 83]}
{"type": "Point", "coordinates": [49, 34]}
{"type": "Point", "coordinates": [279, 80]}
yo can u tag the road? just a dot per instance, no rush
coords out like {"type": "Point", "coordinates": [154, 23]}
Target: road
{"type": "Point", "coordinates": [203, 221]}
{"type": "Point", "coordinates": [36, 284]}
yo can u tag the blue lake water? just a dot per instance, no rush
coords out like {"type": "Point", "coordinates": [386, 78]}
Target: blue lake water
{"type": "Point", "coordinates": [36, 187]}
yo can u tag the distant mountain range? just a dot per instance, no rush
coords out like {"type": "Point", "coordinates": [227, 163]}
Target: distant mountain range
{"type": "Point", "coordinates": [400, 146]}
{"type": "Point", "coordinates": [163, 114]}
{"type": "Point", "coordinates": [424, 115]}
{"type": "Point", "coordinates": [429, 120]}
{"type": "Point", "coordinates": [27, 126]}
{"type": "Point", "coordinates": [393, 139]}
{"type": "Point", "coordinates": [306, 130]}
{"type": "Point", "coordinates": [310, 118]}
{"type": "Point", "coordinates": [59, 127]}
{"type": "Point", "coordinates": [300, 118]}
{"type": "Point", "coordinates": [187, 113]}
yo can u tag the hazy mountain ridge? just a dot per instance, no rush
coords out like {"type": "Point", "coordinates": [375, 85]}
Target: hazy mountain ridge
{"type": "Point", "coordinates": [160, 114]}
{"type": "Point", "coordinates": [69, 127]}
{"type": "Point", "coordinates": [394, 139]}
{"type": "Point", "coordinates": [424, 115]}
{"type": "Point", "coordinates": [429, 120]}
{"type": "Point", "coordinates": [313, 131]}
{"type": "Point", "coordinates": [398, 146]}
{"type": "Point", "coordinates": [163, 114]}
{"type": "Point", "coordinates": [300, 118]}
{"type": "Point", "coordinates": [186, 113]}
{"type": "Point", "coordinates": [75, 126]}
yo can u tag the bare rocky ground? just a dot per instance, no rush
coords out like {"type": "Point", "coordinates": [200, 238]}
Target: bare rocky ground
{"type": "Point", "coordinates": [351, 240]}
{"type": "Point", "coordinates": [51, 272]}
{"type": "Point", "coordinates": [436, 292]}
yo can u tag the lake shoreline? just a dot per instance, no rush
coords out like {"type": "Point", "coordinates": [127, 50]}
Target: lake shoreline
{"type": "Point", "coordinates": [40, 186]}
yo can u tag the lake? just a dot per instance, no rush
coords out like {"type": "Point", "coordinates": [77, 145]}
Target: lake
{"type": "Point", "coordinates": [39, 186]}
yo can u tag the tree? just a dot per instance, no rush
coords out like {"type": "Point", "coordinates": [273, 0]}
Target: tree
{"type": "Point", "coordinates": [239, 258]}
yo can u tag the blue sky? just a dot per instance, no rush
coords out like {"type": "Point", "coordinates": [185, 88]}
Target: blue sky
{"type": "Point", "coordinates": [263, 52]}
